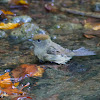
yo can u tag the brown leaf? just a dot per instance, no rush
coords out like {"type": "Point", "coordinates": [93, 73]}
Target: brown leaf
{"type": "Point", "coordinates": [89, 36]}
{"type": "Point", "coordinates": [93, 33]}
{"type": "Point", "coordinates": [51, 7]}
{"type": "Point", "coordinates": [27, 70]}
{"type": "Point", "coordinates": [93, 26]}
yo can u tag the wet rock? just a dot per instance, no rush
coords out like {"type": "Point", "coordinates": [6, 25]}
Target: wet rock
{"type": "Point", "coordinates": [4, 1]}
{"type": "Point", "coordinates": [25, 32]}
{"type": "Point", "coordinates": [13, 55]}
{"type": "Point", "coordinates": [2, 16]}
{"type": "Point", "coordinates": [65, 28]}
{"type": "Point", "coordinates": [19, 19]}
{"type": "Point", "coordinates": [14, 58]}
{"type": "Point", "coordinates": [69, 26]}
{"type": "Point", "coordinates": [96, 6]}
{"type": "Point", "coordinates": [2, 34]}
{"type": "Point", "coordinates": [68, 33]}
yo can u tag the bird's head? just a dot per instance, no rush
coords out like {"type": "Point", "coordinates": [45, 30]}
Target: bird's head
{"type": "Point", "coordinates": [41, 40]}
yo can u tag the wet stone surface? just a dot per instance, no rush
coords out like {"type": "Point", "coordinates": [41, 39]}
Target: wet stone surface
{"type": "Point", "coordinates": [25, 32]}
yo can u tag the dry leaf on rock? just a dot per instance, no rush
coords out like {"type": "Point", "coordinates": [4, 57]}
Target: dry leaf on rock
{"type": "Point", "coordinates": [9, 25]}
{"type": "Point", "coordinates": [7, 12]}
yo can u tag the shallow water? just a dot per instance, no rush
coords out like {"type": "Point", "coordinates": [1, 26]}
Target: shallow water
{"type": "Point", "coordinates": [79, 79]}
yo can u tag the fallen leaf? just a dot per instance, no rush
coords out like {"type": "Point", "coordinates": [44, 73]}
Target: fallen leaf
{"type": "Point", "coordinates": [92, 33]}
{"type": "Point", "coordinates": [21, 98]}
{"type": "Point", "coordinates": [40, 71]}
{"type": "Point", "coordinates": [12, 91]}
{"type": "Point", "coordinates": [5, 81]}
{"type": "Point", "coordinates": [97, 27]}
{"type": "Point", "coordinates": [51, 7]}
{"type": "Point", "coordinates": [9, 25]}
{"type": "Point", "coordinates": [7, 88]}
{"type": "Point", "coordinates": [21, 2]}
{"type": "Point", "coordinates": [94, 26]}
{"type": "Point", "coordinates": [89, 36]}
{"type": "Point", "coordinates": [7, 12]}
{"type": "Point", "coordinates": [26, 70]}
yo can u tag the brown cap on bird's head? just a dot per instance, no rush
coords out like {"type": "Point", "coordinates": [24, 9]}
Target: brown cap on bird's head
{"type": "Point", "coordinates": [41, 37]}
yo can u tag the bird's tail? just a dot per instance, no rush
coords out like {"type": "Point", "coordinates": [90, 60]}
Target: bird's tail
{"type": "Point", "coordinates": [83, 52]}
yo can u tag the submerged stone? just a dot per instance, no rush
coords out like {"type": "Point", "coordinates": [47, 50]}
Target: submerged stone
{"type": "Point", "coordinates": [25, 32]}
{"type": "Point", "coordinates": [4, 1]}
{"type": "Point", "coordinates": [97, 6]}
{"type": "Point", "coordinates": [19, 19]}
{"type": "Point", "coordinates": [69, 26]}
{"type": "Point", "coordinates": [2, 34]}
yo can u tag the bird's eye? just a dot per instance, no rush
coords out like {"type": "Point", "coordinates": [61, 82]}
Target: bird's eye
{"type": "Point", "coordinates": [39, 40]}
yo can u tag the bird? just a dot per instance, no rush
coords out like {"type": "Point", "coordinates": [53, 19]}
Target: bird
{"type": "Point", "coordinates": [47, 50]}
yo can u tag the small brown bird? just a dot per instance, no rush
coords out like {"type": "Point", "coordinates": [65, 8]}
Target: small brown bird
{"type": "Point", "coordinates": [46, 50]}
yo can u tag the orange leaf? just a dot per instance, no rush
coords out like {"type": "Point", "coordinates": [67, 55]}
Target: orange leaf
{"type": "Point", "coordinates": [33, 70]}
{"type": "Point", "coordinates": [39, 72]}
{"type": "Point", "coordinates": [11, 91]}
{"type": "Point", "coordinates": [26, 70]}
{"type": "Point", "coordinates": [9, 25]}
{"type": "Point", "coordinates": [29, 69]}
{"type": "Point", "coordinates": [7, 12]}
{"type": "Point", "coordinates": [16, 84]}
{"type": "Point", "coordinates": [5, 81]}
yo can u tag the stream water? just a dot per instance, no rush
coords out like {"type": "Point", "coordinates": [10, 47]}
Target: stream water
{"type": "Point", "coordinates": [79, 79]}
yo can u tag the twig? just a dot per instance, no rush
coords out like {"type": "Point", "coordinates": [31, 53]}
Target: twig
{"type": "Point", "coordinates": [77, 12]}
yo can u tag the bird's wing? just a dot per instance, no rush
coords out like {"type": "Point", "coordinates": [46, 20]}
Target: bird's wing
{"type": "Point", "coordinates": [52, 50]}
